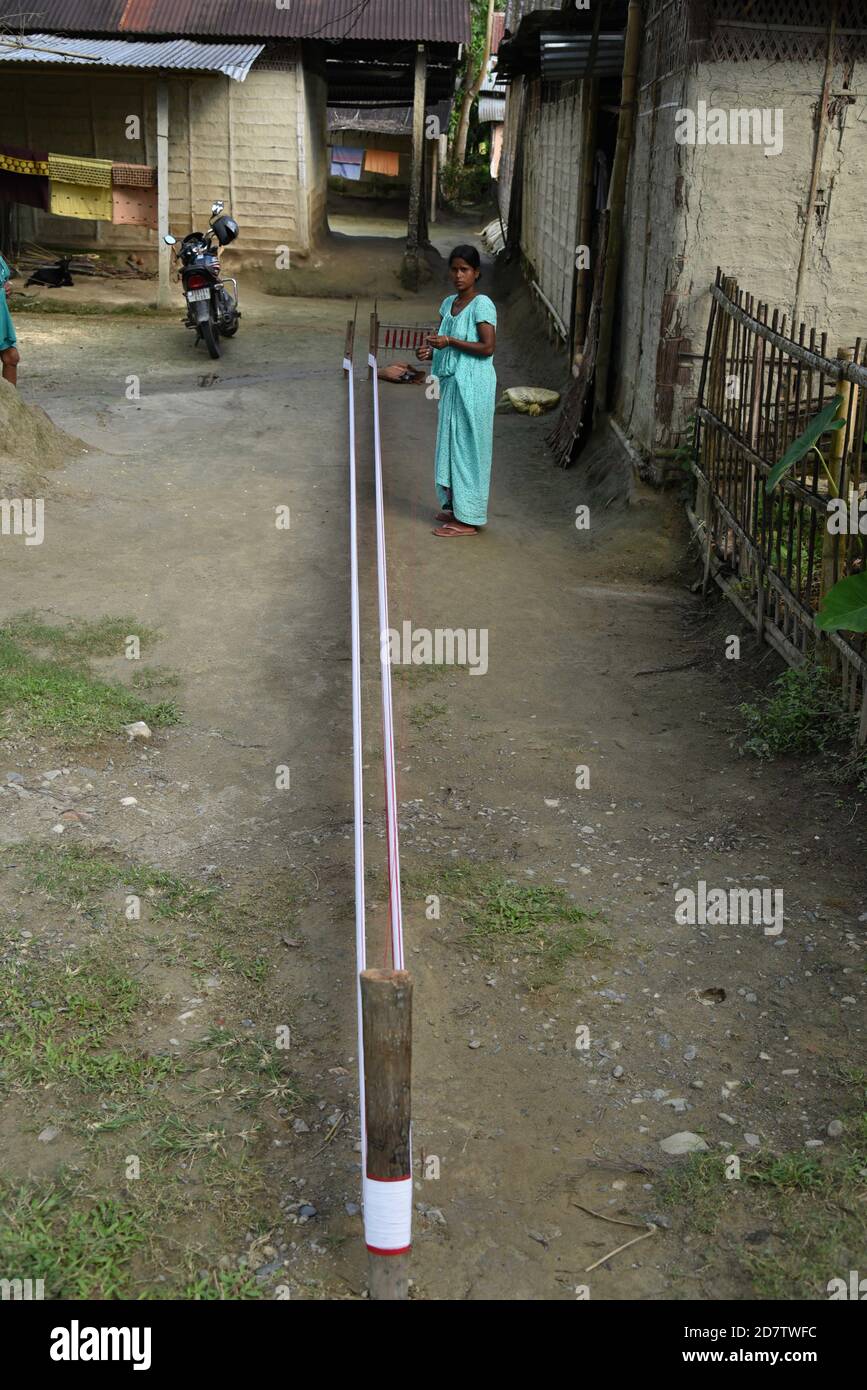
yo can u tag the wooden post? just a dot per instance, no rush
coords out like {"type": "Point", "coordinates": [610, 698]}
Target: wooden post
{"type": "Point", "coordinates": [386, 1013]}
{"type": "Point", "coordinates": [816, 169]}
{"type": "Point", "coordinates": [163, 251]}
{"type": "Point", "coordinates": [373, 350]}
{"type": "Point", "coordinates": [832, 550]}
{"type": "Point", "coordinates": [589, 106]}
{"type": "Point", "coordinates": [349, 346]}
{"type": "Point", "coordinates": [434, 178]}
{"type": "Point", "coordinates": [416, 192]}
{"type": "Point", "coordinates": [616, 202]}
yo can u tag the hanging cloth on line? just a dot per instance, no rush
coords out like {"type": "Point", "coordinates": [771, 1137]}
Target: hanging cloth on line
{"type": "Point", "coordinates": [346, 162]}
{"type": "Point", "coordinates": [133, 175]}
{"type": "Point", "coordinates": [79, 200]}
{"type": "Point", "coordinates": [24, 177]}
{"type": "Point", "coordinates": [15, 161]}
{"type": "Point", "coordinates": [80, 187]}
{"type": "Point", "coordinates": [135, 207]}
{"type": "Point", "coordinates": [70, 168]}
{"type": "Point", "coordinates": [382, 162]}
{"type": "Point", "coordinates": [345, 171]}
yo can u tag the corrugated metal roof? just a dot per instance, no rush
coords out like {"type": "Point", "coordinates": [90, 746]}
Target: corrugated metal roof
{"type": "Point", "coordinates": [436, 21]}
{"type": "Point", "coordinates": [491, 108]}
{"type": "Point", "coordinates": [568, 55]}
{"type": "Point", "coordinates": [234, 59]}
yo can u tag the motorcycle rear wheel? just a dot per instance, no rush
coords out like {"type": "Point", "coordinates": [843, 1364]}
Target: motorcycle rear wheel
{"type": "Point", "coordinates": [211, 338]}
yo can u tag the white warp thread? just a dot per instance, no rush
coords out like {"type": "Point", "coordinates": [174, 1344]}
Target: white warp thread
{"type": "Point", "coordinates": [388, 1214]}
{"type": "Point", "coordinates": [357, 754]}
{"type": "Point", "coordinates": [394, 899]}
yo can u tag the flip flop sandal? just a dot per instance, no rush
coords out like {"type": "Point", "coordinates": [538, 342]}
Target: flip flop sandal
{"type": "Point", "coordinates": [449, 532]}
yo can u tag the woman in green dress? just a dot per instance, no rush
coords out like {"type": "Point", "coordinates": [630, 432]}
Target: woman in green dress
{"type": "Point", "coordinates": [462, 358]}
{"type": "Point", "coordinates": [8, 342]}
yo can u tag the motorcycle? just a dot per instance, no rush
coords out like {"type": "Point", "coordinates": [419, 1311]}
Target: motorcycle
{"type": "Point", "coordinates": [212, 308]}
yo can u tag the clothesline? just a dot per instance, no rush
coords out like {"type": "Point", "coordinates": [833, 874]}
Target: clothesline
{"type": "Point", "coordinates": [100, 190]}
{"type": "Point", "coordinates": [347, 162]}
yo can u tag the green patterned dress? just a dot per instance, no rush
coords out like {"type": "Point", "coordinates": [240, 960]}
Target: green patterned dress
{"type": "Point", "coordinates": [468, 395]}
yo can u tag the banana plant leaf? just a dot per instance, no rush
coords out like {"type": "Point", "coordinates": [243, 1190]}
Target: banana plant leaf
{"type": "Point", "coordinates": [845, 606]}
{"type": "Point", "coordinates": [818, 426]}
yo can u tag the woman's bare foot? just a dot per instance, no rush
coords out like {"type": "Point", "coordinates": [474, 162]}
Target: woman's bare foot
{"type": "Point", "coordinates": [454, 529]}
{"type": "Point", "coordinates": [445, 515]}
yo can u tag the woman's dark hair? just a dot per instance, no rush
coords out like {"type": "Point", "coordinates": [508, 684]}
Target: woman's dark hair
{"type": "Point", "coordinates": [468, 254]}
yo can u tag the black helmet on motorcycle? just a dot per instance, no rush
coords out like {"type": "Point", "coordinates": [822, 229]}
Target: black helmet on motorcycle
{"type": "Point", "coordinates": [226, 230]}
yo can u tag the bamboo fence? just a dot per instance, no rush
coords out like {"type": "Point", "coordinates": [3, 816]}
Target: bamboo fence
{"type": "Point", "coordinates": [761, 383]}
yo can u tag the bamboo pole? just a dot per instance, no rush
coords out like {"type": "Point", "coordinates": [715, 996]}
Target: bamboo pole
{"type": "Point", "coordinates": [818, 152]}
{"type": "Point", "coordinates": [589, 109]}
{"type": "Point", "coordinates": [616, 202]}
{"type": "Point", "coordinates": [386, 1012]}
{"type": "Point", "coordinates": [410, 274]}
{"type": "Point", "coordinates": [831, 546]}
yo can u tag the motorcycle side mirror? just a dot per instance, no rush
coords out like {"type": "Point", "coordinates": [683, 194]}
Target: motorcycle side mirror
{"type": "Point", "coordinates": [170, 240]}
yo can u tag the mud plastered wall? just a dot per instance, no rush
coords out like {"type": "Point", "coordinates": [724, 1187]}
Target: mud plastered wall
{"type": "Point", "coordinates": [239, 141]}
{"type": "Point", "coordinates": [693, 207]}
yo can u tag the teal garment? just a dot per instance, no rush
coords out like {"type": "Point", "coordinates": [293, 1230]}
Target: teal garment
{"type": "Point", "coordinates": [7, 330]}
{"type": "Point", "coordinates": [468, 395]}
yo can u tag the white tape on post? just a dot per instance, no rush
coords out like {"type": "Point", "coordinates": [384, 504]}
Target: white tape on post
{"type": "Point", "coordinates": [388, 1215]}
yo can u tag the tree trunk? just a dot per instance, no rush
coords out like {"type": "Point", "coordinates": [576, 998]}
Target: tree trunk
{"type": "Point", "coordinates": [471, 91]}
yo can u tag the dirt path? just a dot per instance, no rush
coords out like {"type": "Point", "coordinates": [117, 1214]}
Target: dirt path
{"type": "Point", "coordinates": [173, 522]}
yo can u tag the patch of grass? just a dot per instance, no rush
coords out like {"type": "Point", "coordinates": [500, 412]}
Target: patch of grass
{"type": "Point", "coordinates": [178, 1136]}
{"type": "Point", "coordinates": [500, 915]}
{"type": "Point", "coordinates": [75, 640]}
{"type": "Point", "coordinates": [789, 1173]}
{"type": "Point", "coordinates": [698, 1187]}
{"type": "Point", "coordinates": [412, 676]}
{"type": "Point", "coordinates": [814, 1209]}
{"type": "Point", "coordinates": [802, 713]}
{"type": "Point", "coordinates": [57, 694]}
{"type": "Point", "coordinates": [251, 1071]}
{"type": "Point", "coordinates": [58, 1026]}
{"type": "Point", "coordinates": [97, 884]}
{"type": "Point", "coordinates": [155, 678]}
{"type": "Point", "coordinates": [80, 1248]}
{"type": "Point", "coordinates": [222, 1285]}
{"type": "Point", "coordinates": [420, 716]}
{"type": "Point", "coordinates": [68, 1021]}
{"type": "Point", "coordinates": [78, 877]}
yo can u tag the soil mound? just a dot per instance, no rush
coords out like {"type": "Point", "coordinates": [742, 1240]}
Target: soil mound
{"type": "Point", "coordinates": [28, 437]}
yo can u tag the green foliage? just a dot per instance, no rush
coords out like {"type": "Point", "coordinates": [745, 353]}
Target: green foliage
{"type": "Point", "coordinates": [468, 184]}
{"type": "Point", "coordinates": [820, 424]}
{"type": "Point", "coordinates": [845, 606]}
{"type": "Point", "coordinates": [81, 1249]}
{"type": "Point", "coordinates": [802, 713]}
{"type": "Point", "coordinates": [684, 453]}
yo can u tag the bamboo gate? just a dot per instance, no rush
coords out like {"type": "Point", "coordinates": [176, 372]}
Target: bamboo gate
{"type": "Point", "coordinates": [762, 381]}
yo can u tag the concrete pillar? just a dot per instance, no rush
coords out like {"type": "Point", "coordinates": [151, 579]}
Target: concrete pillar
{"type": "Point", "coordinates": [163, 251]}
